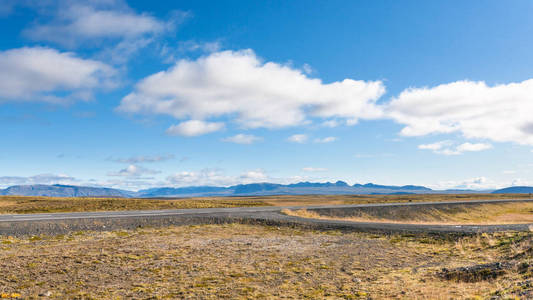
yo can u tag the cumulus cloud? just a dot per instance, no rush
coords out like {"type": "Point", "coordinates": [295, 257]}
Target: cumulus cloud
{"type": "Point", "coordinates": [238, 85]}
{"type": "Point", "coordinates": [298, 138]}
{"type": "Point", "coordinates": [242, 139]}
{"type": "Point", "coordinates": [312, 169]}
{"type": "Point", "coordinates": [6, 181]}
{"type": "Point", "coordinates": [194, 128]}
{"type": "Point", "coordinates": [447, 147]}
{"type": "Point", "coordinates": [133, 171]}
{"type": "Point", "coordinates": [206, 176]}
{"type": "Point", "coordinates": [215, 177]}
{"type": "Point", "coordinates": [39, 73]}
{"type": "Point", "coordinates": [142, 159]}
{"type": "Point", "coordinates": [476, 183]}
{"type": "Point", "coordinates": [500, 113]}
{"type": "Point", "coordinates": [253, 176]}
{"type": "Point", "coordinates": [328, 139]}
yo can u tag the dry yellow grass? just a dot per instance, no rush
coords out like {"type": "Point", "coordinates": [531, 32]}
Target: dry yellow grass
{"type": "Point", "coordinates": [21, 205]}
{"type": "Point", "coordinates": [504, 213]}
{"type": "Point", "coordinates": [16, 204]}
{"type": "Point", "coordinates": [257, 262]}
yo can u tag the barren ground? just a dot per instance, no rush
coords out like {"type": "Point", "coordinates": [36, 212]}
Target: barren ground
{"type": "Point", "coordinates": [244, 261]}
{"type": "Point", "coordinates": [21, 205]}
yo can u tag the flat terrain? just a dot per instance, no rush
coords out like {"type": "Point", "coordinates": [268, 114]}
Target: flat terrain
{"type": "Point", "coordinates": [245, 261]}
{"type": "Point", "coordinates": [488, 213]}
{"type": "Point", "coordinates": [23, 205]}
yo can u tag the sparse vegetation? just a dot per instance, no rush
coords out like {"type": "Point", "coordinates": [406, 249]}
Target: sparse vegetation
{"type": "Point", "coordinates": [17, 204]}
{"type": "Point", "coordinates": [25, 205]}
{"type": "Point", "coordinates": [244, 261]}
{"type": "Point", "coordinates": [502, 213]}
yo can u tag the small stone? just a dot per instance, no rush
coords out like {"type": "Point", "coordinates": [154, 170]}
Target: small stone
{"type": "Point", "coordinates": [47, 294]}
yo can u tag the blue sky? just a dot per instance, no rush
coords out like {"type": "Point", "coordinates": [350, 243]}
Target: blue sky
{"type": "Point", "coordinates": [140, 94]}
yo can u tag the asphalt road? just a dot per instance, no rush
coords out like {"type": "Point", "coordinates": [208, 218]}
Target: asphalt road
{"type": "Point", "coordinates": [61, 222]}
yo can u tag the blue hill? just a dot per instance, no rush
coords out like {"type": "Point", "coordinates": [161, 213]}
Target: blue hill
{"type": "Point", "coordinates": [515, 190]}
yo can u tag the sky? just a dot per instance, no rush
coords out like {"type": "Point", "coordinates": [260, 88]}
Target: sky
{"type": "Point", "coordinates": [142, 94]}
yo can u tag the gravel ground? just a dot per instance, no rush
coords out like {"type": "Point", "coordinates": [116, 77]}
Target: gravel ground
{"type": "Point", "coordinates": [248, 261]}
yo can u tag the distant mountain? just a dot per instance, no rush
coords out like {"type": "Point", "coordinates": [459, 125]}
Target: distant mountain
{"type": "Point", "coordinates": [189, 191]}
{"type": "Point", "coordinates": [266, 188]}
{"type": "Point", "coordinates": [58, 190]}
{"type": "Point", "coordinates": [252, 189]}
{"type": "Point", "coordinates": [515, 190]}
{"type": "Point", "coordinates": [393, 187]}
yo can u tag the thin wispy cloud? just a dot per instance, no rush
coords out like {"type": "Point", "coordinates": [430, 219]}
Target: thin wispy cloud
{"type": "Point", "coordinates": [313, 169]}
{"type": "Point", "coordinates": [325, 140]}
{"type": "Point", "coordinates": [194, 128]}
{"type": "Point", "coordinates": [241, 138]}
{"type": "Point", "coordinates": [142, 159]}
{"type": "Point", "coordinates": [134, 171]}
{"type": "Point", "coordinates": [448, 148]}
{"type": "Point", "coordinates": [111, 26]}
{"type": "Point", "coordinates": [298, 138]}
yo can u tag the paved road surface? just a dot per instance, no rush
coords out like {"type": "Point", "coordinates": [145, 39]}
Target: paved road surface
{"type": "Point", "coordinates": [64, 222]}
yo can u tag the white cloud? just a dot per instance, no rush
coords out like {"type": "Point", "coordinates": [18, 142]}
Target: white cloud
{"type": "Point", "coordinates": [500, 113]}
{"type": "Point", "coordinates": [110, 26]}
{"type": "Point", "coordinates": [373, 155]}
{"type": "Point", "coordinates": [72, 22]}
{"type": "Point", "coordinates": [38, 73]}
{"type": "Point", "coordinates": [447, 147]}
{"type": "Point", "coordinates": [6, 181]}
{"type": "Point", "coordinates": [216, 177]}
{"type": "Point", "coordinates": [328, 139]}
{"type": "Point", "coordinates": [473, 147]}
{"type": "Point", "coordinates": [242, 139]}
{"type": "Point", "coordinates": [134, 171]}
{"type": "Point", "coordinates": [143, 159]}
{"type": "Point", "coordinates": [172, 54]}
{"type": "Point", "coordinates": [253, 176]}
{"type": "Point", "coordinates": [508, 172]}
{"type": "Point", "coordinates": [255, 94]}
{"type": "Point", "coordinates": [312, 169]}
{"type": "Point", "coordinates": [307, 69]}
{"type": "Point", "coordinates": [298, 138]}
{"type": "Point", "coordinates": [330, 123]}
{"type": "Point", "coordinates": [477, 183]}
{"type": "Point", "coordinates": [194, 128]}
{"type": "Point", "coordinates": [521, 182]}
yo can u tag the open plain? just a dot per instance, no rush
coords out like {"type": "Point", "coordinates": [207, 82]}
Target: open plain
{"type": "Point", "coordinates": [24, 205]}
{"type": "Point", "coordinates": [253, 262]}
{"type": "Point", "coordinates": [395, 249]}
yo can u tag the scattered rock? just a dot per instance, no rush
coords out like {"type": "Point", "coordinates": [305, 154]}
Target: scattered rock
{"type": "Point", "coordinates": [477, 272]}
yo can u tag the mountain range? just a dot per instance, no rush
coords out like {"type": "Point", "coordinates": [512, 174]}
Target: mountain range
{"type": "Point", "coordinates": [252, 189]}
